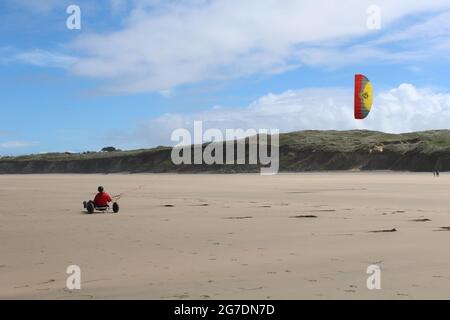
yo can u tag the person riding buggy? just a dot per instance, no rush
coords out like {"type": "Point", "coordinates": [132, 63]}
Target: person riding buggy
{"type": "Point", "coordinates": [101, 202]}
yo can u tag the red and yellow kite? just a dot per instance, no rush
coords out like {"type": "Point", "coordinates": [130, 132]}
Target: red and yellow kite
{"type": "Point", "coordinates": [363, 96]}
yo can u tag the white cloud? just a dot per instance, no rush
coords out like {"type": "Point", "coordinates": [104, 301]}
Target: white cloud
{"type": "Point", "coordinates": [402, 109]}
{"type": "Point", "coordinates": [16, 144]}
{"type": "Point", "coordinates": [118, 5]}
{"type": "Point", "coordinates": [42, 58]}
{"type": "Point", "coordinates": [433, 28]}
{"type": "Point", "coordinates": [164, 44]}
{"type": "Point", "coordinates": [166, 93]}
{"type": "Point", "coordinates": [408, 108]}
{"type": "Point", "coordinates": [427, 39]}
{"type": "Point", "coordinates": [186, 42]}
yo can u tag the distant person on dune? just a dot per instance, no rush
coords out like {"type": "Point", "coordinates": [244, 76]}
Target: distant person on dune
{"type": "Point", "coordinates": [102, 199]}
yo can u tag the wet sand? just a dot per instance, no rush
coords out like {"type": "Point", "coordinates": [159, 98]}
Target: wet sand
{"type": "Point", "coordinates": [290, 236]}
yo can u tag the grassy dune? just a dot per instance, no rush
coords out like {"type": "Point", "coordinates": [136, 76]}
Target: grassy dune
{"type": "Point", "coordinates": [299, 151]}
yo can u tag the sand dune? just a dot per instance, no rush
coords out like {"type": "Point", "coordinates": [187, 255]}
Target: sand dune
{"type": "Point", "coordinates": [290, 236]}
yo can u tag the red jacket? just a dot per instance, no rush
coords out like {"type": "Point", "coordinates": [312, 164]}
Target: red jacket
{"type": "Point", "coordinates": [102, 199]}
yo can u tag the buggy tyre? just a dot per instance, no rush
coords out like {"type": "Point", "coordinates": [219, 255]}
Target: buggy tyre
{"type": "Point", "coordinates": [90, 208]}
{"type": "Point", "coordinates": [115, 207]}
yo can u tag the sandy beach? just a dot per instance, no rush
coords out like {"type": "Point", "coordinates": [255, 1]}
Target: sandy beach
{"type": "Point", "coordinates": [289, 236]}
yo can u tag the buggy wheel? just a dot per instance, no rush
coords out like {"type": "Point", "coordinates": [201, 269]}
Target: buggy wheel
{"type": "Point", "coordinates": [90, 208]}
{"type": "Point", "coordinates": [115, 207]}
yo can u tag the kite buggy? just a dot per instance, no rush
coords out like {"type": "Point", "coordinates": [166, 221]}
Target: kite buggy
{"type": "Point", "coordinates": [101, 203]}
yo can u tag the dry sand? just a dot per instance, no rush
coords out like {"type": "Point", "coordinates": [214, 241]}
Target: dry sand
{"type": "Point", "coordinates": [226, 236]}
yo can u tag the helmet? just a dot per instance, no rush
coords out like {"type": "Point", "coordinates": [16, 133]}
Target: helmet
{"type": "Point", "coordinates": [100, 189]}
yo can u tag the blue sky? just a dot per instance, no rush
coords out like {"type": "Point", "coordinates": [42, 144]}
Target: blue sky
{"type": "Point", "coordinates": [137, 70]}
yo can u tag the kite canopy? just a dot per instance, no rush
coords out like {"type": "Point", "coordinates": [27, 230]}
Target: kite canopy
{"type": "Point", "coordinates": [363, 96]}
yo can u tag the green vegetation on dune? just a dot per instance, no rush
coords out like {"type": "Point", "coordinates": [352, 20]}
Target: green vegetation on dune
{"type": "Point", "coordinates": [299, 151]}
{"type": "Point", "coordinates": [354, 140]}
{"type": "Point", "coordinates": [89, 155]}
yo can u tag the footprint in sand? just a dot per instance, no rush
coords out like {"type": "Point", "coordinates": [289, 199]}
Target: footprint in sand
{"type": "Point", "coordinates": [443, 229]}
{"type": "Point", "coordinates": [306, 216]}
{"type": "Point", "coordinates": [420, 220]}
{"type": "Point", "coordinates": [21, 287]}
{"type": "Point", "coordinates": [384, 231]}
{"type": "Point", "coordinates": [402, 295]}
{"type": "Point", "coordinates": [96, 280]}
{"type": "Point", "coordinates": [47, 282]}
{"type": "Point", "coordinates": [182, 296]}
{"type": "Point", "coordinates": [350, 291]}
{"type": "Point", "coordinates": [441, 277]}
{"type": "Point", "coordinates": [252, 289]}
{"type": "Point", "coordinates": [239, 218]}
{"type": "Point", "coordinates": [337, 259]}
